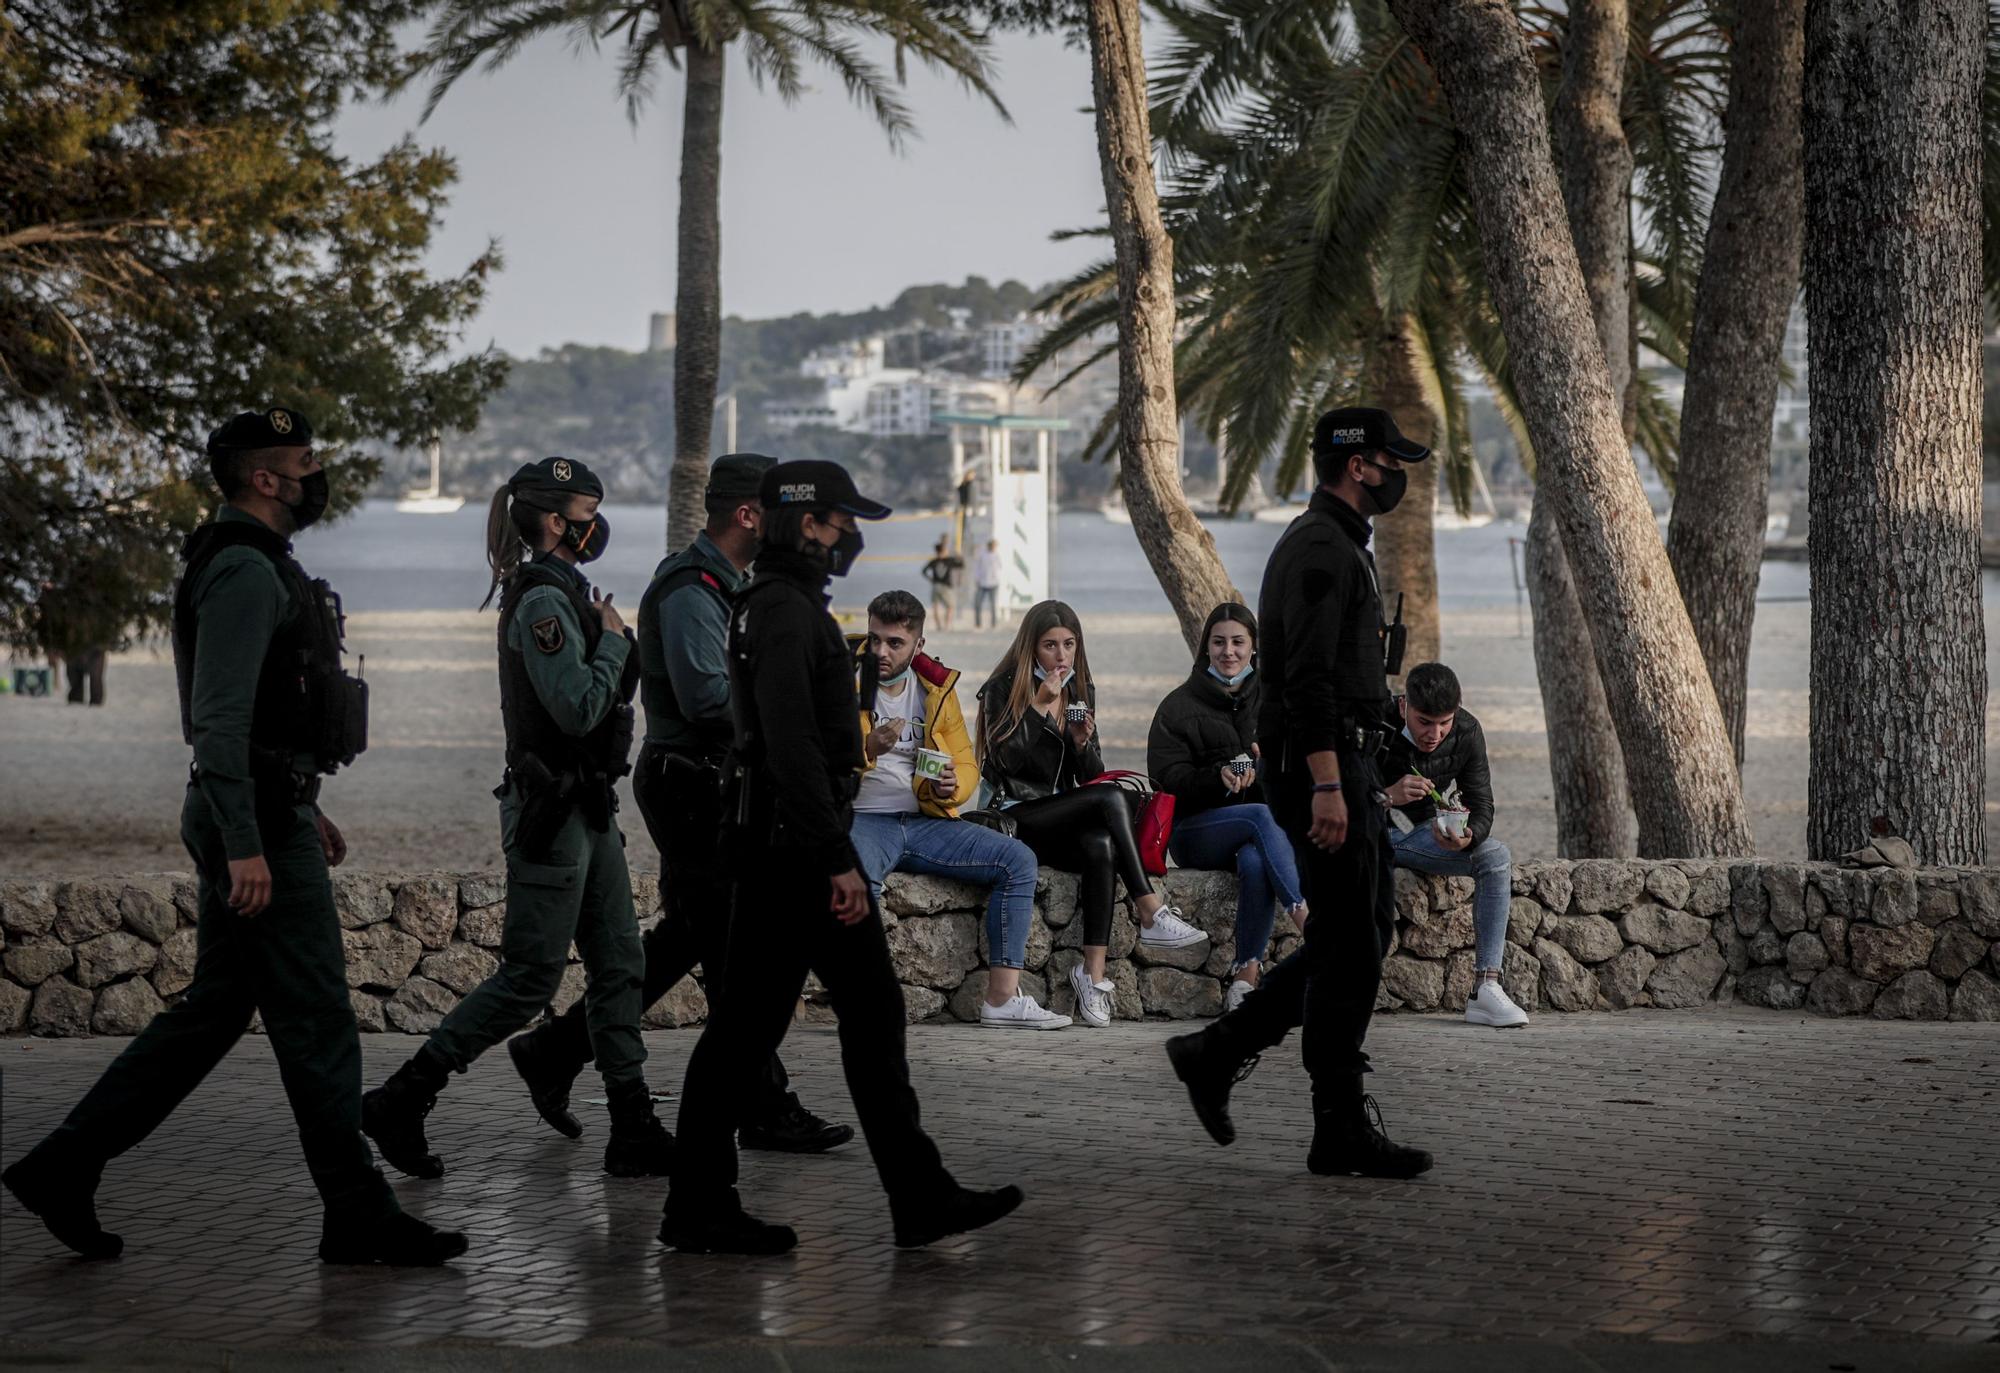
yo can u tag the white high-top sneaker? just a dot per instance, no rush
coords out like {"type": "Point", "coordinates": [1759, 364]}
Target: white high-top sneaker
{"type": "Point", "coordinates": [1491, 1005]}
{"type": "Point", "coordinates": [1093, 999]}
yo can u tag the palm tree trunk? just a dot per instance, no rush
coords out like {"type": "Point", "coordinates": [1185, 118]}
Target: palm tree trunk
{"type": "Point", "coordinates": [1749, 280]}
{"type": "Point", "coordinates": [1689, 802]}
{"type": "Point", "coordinates": [1586, 765]}
{"type": "Point", "coordinates": [1405, 539]}
{"type": "Point", "coordinates": [698, 293]}
{"type": "Point", "coordinates": [1892, 269]}
{"type": "Point", "coordinates": [1180, 549]}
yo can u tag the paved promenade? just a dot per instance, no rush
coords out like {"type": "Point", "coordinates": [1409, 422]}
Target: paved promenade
{"type": "Point", "coordinates": [1649, 1177]}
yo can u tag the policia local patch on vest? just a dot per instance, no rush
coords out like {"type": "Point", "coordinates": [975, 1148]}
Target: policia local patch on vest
{"type": "Point", "coordinates": [548, 634]}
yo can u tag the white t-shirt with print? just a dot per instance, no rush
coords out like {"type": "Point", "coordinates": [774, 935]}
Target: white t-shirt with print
{"type": "Point", "coordinates": [889, 788]}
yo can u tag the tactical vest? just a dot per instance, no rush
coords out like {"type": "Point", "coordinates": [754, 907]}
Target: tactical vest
{"type": "Point", "coordinates": [665, 719]}
{"type": "Point", "coordinates": [307, 706]}
{"type": "Point", "coordinates": [530, 728]}
{"type": "Point", "coordinates": [1359, 673]}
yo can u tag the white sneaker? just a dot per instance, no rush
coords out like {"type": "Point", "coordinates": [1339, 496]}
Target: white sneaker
{"type": "Point", "coordinates": [1169, 931]}
{"type": "Point", "coordinates": [1093, 999]}
{"type": "Point", "coordinates": [1233, 998]}
{"type": "Point", "coordinates": [1021, 1012]}
{"type": "Point", "coordinates": [1491, 1005]}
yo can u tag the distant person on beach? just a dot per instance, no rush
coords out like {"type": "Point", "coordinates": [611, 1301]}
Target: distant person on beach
{"type": "Point", "coordinates": [1326, 654]}
{"type": "Point", "coordinates": [86, 676]}
{"type": "Point", "coordinates": [1203, 749]}
{"type": "Point", "coordinates": [906, 816]}
{"type": "Point", "coordinates": [567, 676]}
{"type": "Point", "coordinates": [1038, 749]}
{"type": "Point", "coordinates": [986, 586]}
{"type": "Point", "coordinates": [252, 637]}
{"type": "Point", "coordinates": [1436, 745]}
{"type": "Point", "coordinates": [803, 905]}
{"type": "Point", "coordinates": [684, 685]}
{"type": "Point", "coordinates": [942, 572]}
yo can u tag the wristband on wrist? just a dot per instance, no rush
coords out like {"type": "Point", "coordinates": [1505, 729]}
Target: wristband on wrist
{"type": "Point", "coordinates": [1319, 787]}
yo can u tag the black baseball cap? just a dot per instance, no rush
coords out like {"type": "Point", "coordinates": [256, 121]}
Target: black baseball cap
{"type": "Point", "coordinates": [737, 477]}
{"type": "Point", "coordinates": [819, 485]}
{"type": "Point", "coordinates": [275, 427]}
{"type": "Point", "coordinates": [1363, 429]}
{"type": "Point", "coordinates": [553, 479]}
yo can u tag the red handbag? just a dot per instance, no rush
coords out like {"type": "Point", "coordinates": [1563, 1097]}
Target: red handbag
{"type": "Point", "coordinates": [1152, 816]}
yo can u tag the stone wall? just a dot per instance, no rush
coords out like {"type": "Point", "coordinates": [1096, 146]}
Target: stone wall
{"type": "Point", "coordinates": [104, 955]}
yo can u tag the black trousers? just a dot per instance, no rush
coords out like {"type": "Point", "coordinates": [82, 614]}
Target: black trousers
{"type": "Point", "coordinates": [683, 813]}
{"type": "Point", "coordinates": [287, 963]}
{"type": "Point", "coordinates": [1328, 985]}
{"type": "Point", "coordinates": [783, 928]}
{"type": "Point", "coordinates": [1087, 831]}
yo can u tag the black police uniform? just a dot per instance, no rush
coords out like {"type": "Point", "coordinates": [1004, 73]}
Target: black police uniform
{"type": "Point", "coordinates": [565, 693]}
{"type": "Point", "coordinates": [678, 787]}
{"type": "Point", "coordinates": [794, 768]}
{"type": "Point", "coordinates": [1321, 654]}
{"type": "Point", "coordinates": [258, 644]}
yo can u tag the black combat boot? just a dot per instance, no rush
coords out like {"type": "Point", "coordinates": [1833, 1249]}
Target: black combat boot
{"type": "Point", "coordinates": [393, 1115]}
{"type": "Point", "coordinates": [1207, 1063]}
{"type": "Point", "coordinates": [1348, 1138]}
{"type": "Point", "coordinates": [958, 1211]}
{"type": "Point", "coordinates": [63, 1194]}
{"type": "Point", "coordinates": [794, 1130]}
{"type": "Point", "coordinates": [548, 1076]}
{"type": "Point", "coordinates": [640, 1147]}
{"type": "Point", "coordinates": [722, 1229]}
{"type": "Point", "coordinates": [397, 1240]}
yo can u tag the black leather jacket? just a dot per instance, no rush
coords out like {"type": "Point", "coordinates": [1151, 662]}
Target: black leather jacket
{"type": "Point", "coordinates": [1460, 758]}
{"type": "Point", "coordinates": [1035, 758]}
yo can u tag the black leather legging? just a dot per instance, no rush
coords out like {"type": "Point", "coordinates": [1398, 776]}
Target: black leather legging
{"type": "Point", "coordinates": [1087, 831]}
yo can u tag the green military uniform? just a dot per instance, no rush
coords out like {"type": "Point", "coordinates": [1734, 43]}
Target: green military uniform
{"type": "Point", "coordinates": [257, 652]}
{"type": "Point", "coordinates": [565, 696]}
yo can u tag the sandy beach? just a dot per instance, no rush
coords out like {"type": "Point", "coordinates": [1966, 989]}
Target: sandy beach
{"type": "Point", "coordinates": [98, 790]}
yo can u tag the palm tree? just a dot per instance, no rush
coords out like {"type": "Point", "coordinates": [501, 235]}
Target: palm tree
{"type": "Point", "coordinates": [778, 40]}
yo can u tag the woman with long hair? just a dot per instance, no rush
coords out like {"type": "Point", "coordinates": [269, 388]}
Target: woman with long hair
{"type": "Point", "coordinates": [567, 674]}
{"type": "Point", "coordinates": [1202, 748]}
{"type": "Point", "coordinates": [1037, 747]}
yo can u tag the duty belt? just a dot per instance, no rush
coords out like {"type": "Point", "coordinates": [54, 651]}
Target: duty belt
{"type": "Point", "coordinates": [292, 786]}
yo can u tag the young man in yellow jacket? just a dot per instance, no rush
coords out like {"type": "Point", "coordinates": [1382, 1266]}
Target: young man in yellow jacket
{"type": "Point", "coordinates": [920, 772]}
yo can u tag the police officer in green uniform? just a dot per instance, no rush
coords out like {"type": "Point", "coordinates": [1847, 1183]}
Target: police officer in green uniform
{"type": "Point", "coordinates": [801, 903]}
{"type": "Point", "coordinates": [684, 684]}
{"type": "Point", "coordinates": [268, 709]}
{"type": "Point", "coordinates": [567, 676]}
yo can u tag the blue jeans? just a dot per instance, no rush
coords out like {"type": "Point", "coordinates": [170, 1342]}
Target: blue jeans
{"type": "Point", "coordinates": [986, 600]}
{"type": "Point", "coordinates": [957, 849]}
{"type": "Point", "coordinates": [1491, 869]}
{"type": "Point", "coordinates": [1246, 838]}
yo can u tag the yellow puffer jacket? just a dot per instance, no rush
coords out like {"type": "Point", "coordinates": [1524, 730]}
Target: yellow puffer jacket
{"type": "Point", "coordinates": [944, 732]}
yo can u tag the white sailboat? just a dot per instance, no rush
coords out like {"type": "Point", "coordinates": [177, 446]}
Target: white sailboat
{"type": "Point", "coordinates": [430, 500]}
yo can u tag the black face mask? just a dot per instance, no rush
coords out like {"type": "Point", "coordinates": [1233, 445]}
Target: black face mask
{"type": "Point", "coordinates": [589, 539]}
{"type": "Point", "coordinates": [1389, 494]}
{"type": "Point", "coordinates": [313, 496]}
{"type": "Point", "coordinates": [846, 549]}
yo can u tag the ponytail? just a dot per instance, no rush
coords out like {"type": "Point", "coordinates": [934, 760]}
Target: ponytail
{"type": "Point", "coordinates": [507, 527]}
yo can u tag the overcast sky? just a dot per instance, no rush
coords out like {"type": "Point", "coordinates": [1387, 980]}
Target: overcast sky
{"type": "Point", "coordinates": [817, 213]}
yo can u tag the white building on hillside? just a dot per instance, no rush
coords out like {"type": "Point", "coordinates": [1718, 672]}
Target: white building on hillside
{"type": "Point", "coordinates": [860, 395]}
{"type": "Point", "coordinates": [1003, 345]}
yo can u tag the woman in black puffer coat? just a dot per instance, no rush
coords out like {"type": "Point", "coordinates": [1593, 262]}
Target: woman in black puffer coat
{"type": "Point", "coordinates": [1203, 749]}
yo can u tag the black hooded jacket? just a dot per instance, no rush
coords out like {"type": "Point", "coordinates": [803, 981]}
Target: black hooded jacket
{"type": "Point", "coordinates": [1200, 726]}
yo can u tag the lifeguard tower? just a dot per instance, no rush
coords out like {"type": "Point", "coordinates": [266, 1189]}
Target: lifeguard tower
{"type": "Point", "coordinates": [1021, 499]}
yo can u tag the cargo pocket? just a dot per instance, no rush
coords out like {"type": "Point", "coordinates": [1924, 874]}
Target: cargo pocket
{"type": "Point", "coordinates": [542, 903]}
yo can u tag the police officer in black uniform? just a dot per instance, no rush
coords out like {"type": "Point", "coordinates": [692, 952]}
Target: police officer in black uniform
{"type": "Point", "coordinates": [567, 675]}
{"type": "Point", "coordinates": [684, 685]}
{"type": "Point", "coordinates": [1326, 656]}
{"type": "Point", "coordinates": [801, 902]}
{"type": "Point", "coordinates": [268, 709]}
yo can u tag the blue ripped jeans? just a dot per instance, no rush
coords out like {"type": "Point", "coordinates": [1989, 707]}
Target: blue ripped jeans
{"type": "Point", "coordinates": [962, 850]}
{"type": "Point", "coordinates": [1491, 868]}
{"type": "Point", "coordinates": [1247, 839]}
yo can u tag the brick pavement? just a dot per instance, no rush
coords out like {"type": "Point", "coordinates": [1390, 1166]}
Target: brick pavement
{"type": "Point", "coordinates": [1716, 1174]}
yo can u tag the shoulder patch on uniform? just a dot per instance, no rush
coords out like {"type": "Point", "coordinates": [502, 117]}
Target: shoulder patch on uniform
{"type": "Point", "coordinates": [548, 634]}
{"type": "Point", "coordinates": [713, 582]}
